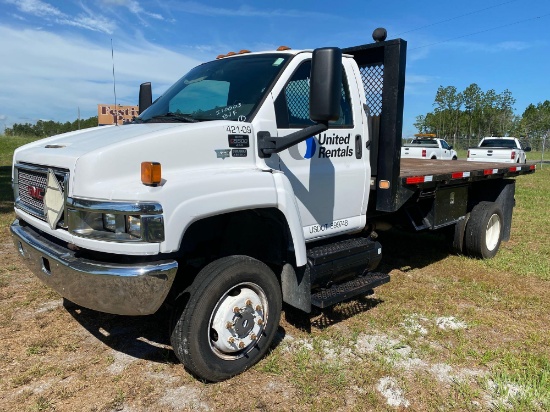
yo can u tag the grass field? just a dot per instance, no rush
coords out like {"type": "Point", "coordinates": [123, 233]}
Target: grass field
{"type": "Point", "coordinates": [448, 333]}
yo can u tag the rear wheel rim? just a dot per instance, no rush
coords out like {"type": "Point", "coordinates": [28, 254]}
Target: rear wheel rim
{"type": "Point", "coordinates": [238, 321]}
{"type": "Point", "coordinates": [492, 233]}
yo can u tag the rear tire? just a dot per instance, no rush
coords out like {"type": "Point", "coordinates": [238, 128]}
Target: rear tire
{"type": "Point", "coordinates": [484, 230]}
{"type": "Point", "coordinates": [229, 320]}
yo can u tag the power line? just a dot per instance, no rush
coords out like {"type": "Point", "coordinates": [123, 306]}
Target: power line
{"type": "Point", "coordinates": [454, 18]}
{"type": "Point", "coordinates": [482, 31]}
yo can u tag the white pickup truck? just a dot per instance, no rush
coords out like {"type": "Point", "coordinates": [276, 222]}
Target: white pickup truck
{"type": "Point", "coordinates": [499, 149]}
{"type": "Point", "coordinates": [428, 148]}
{"type": "Point", "coordinates": [256, 179]}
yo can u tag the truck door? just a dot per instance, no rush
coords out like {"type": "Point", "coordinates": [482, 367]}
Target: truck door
{"type": "Point", "coordinates": [445, 149]}
{"type": "Point", "coordinates": [328, 171]}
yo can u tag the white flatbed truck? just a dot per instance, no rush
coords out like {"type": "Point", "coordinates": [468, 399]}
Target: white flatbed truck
{"type": "Point", "coordinates": [256, 179]}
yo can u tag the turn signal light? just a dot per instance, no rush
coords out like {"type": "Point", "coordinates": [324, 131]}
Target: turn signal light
{"type": "Point", "coordinates": [151, 173]}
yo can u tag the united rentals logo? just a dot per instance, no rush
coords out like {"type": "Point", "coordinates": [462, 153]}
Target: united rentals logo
{"type": "Point", "coordinates": [322, 147]}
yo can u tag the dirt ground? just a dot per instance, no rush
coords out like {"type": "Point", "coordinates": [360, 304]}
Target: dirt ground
{"type": "Point", "coordinates": [372, 353]}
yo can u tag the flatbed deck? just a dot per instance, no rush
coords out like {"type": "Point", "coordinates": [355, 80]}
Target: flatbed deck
{"type": "Point", "coordinates": [420, 171]}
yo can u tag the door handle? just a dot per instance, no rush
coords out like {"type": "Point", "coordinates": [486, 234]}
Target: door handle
{"type": "Point", "coordinates": [358, 147]}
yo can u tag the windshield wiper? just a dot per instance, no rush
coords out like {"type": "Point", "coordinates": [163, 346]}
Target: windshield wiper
{"type": "Point", "coordinates": [174, 116]}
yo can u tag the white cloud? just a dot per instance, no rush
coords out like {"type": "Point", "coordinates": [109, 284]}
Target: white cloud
{"type": "Point", "coordinates": [246, 11]}
{"type": "Point", "coordinates": [88, 20]}
{"type": "Point", "coordinates": [36, 8]}
{"type": "Point", "coordinates": [134, 7]}
{"type": "Point", "coordinates": [50, 75]}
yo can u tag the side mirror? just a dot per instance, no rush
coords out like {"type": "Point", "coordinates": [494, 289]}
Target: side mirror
{"type": "Point", "coordinates": [145, 96]}
{"type": "Point", "coordinates": [527, 149]}
{"type": "Point", "coordinates": [325, 84]}
{"type": "Point", "coordinates": [450, 147]}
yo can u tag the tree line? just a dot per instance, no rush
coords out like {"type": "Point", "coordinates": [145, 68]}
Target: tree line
{"type": "Point", "coordinates": [463, 118]}
{"type": "Point", "coordinates": [45, 128]}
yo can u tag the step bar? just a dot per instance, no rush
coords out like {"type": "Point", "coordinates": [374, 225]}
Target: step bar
{"type": "Point", "coordinates": [346, 290]}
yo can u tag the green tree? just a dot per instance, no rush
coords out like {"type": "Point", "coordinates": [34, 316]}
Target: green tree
{"type": "Point", "coordinates": [45, 128]}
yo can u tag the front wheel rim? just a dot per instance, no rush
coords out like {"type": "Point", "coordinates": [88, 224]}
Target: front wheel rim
{"type": "Point", "coordinates": [492, 233]}
{"type": "Point", "coordinates": [238, 321]}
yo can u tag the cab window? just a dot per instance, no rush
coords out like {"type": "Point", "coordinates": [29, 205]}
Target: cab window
{"type": "Point", "coordinates": [292, 104]}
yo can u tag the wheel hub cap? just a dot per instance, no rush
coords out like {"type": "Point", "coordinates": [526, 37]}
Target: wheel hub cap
{"type": "Point", "coordinates": [238, 321]}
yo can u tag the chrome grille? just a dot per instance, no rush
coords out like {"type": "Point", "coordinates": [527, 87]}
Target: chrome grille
{"type": "Point", "coordinates": [30, 188]}
{"type": "Point", "coordinates": [32, 182]}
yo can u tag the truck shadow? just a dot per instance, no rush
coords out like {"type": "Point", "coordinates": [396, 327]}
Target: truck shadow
{"type": "Point", "coordinates": [141, 337]}
{"type": "Point", "coordinates": [324, 318]}
{"type": "Point", "coordinates": [406, 251]}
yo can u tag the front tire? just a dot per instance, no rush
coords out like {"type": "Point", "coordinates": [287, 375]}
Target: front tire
{"type": "Point", "coordinates": [484, 230]}
{"type": "Point", "coordinates": [230, 318]}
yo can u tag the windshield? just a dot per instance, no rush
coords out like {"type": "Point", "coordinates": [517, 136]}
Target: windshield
{"type": "Point", "coordinates": [225, 89]}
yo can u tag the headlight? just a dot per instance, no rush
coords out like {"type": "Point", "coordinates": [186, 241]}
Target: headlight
{"type": "Point", "coordinates": [133, 226]}
{"type": "Point", "coordinates": [114, 221]}
{"type": "Point", "coordinates": [109, 222]}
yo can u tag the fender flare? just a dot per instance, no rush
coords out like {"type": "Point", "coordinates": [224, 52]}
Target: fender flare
{"type": "Point", "coordinates": [286, 203]}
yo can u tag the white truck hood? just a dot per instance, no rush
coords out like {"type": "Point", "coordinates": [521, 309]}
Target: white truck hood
{"type": "Point", "coordinates": [64, 150]}
{"type": "Point", "coordinates": [104, 162]}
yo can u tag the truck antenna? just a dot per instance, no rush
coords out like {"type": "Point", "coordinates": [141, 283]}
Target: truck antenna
{"type": "Point", "coordinates": [114, 82]}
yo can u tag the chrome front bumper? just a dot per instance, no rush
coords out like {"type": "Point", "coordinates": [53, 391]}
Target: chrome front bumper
{"type": "Point", "coordinates": [123, 289]}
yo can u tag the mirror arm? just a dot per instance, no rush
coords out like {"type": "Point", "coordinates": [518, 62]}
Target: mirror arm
{"type": "Point", "coordinates": [267, 145]}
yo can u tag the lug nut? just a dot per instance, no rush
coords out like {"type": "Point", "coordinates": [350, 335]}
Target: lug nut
{"type": "Point", "coordinates": [229, 325]}
{"type": "Point", "coordinates": [231, 340]}
{"type": "Point", "coordinates": [236, 309]}
{"type": "Point", "coordinates": [241, 344]}
{"type": "Point", "coordinates": [260, 322]}
{"type": "Point", "coordinates": [248, 302]}
{"type": "Point", "coordinates": [259, 308]}
{"type": "Point", "coordinates": [253, 336]}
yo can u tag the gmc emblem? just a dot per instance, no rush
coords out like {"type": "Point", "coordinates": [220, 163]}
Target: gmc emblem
{"type": "Point", "coordinates": [35, 192]}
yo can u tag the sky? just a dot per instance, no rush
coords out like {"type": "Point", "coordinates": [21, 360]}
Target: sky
{"type": "Point", "coordinates": [56, 58]}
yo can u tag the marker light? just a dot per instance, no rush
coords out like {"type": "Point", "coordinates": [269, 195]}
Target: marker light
{"type": "Point", "coordinates": [283, 48]}
{"type": "Point", "coordinates": [150, 173]}
{"type": "Point", "coordinates": [384, 184]}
